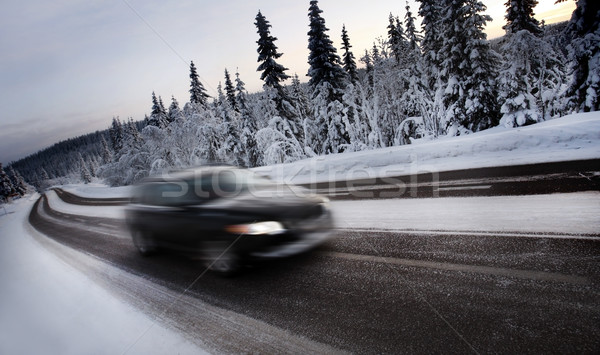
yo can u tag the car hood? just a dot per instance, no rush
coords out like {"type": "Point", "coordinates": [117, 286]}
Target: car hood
{"type": "Point", "coordinates": [278, 200]}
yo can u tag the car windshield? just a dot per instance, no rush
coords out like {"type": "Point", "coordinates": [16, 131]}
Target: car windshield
{"type": "Point", "coordinates": [227, 183]}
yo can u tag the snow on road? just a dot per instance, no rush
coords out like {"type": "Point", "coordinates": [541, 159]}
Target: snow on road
{"type": "Point", "coordinates": [569, 213]}
{"type": "Point", "coordinates": [48, 307]}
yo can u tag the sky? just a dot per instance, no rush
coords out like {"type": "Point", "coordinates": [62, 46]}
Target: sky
{"type": "Point", "coordinates": [67, 67]}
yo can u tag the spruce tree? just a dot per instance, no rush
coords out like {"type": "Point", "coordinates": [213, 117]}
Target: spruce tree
{"type": "Point", "coordinates": [431, 15]}
{"type": "Point", "coordinates": [584, 56]}
{"type": "Point", "coordinates": [174, 111]}
{"type": "Point", "coordinates": [86, 177]}
{"type": "Point", "coordinates": [230, 91]}
{"type": "Point", "coordinates": [323, 59]}
{"type": "Point", "coordinates": [468, 68]}
{"type": "Point", "coordinates": [348, 57]}
{"type": "Point", "coordinates": [249, 128]}
{"type": "Point", "coordinates": [328, 80]}
{"type": "Point", "coordinates": [520, 16]}
{"type": "Point", "coordinates": [396, 38]}
{"type": "Point", "coordinates": [106, 154]}
{"type": "Point", "coordinates": [116, 135]}
{"type": "Point", "coordinates": [17, 181]}
{"type": "Point", "coordinates": [6, 187]}
{"type": "Point", "coordinates": [273, 74]}
{"type": "Point", "coordinates": [158, 116]}
{"type": "Point", "coordinates": [198, 95]}
{"type": "Point", "coordinates": [412, 35]}
{"type": "Point", "coordinates": [531, 75]}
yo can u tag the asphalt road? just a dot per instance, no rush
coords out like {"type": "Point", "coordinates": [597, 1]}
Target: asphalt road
{"type": "Point", "coordinates": [362, 292]}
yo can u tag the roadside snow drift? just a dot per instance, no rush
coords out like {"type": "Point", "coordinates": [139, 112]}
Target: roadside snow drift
{"type": "Point", "coordinates": [573, 137]}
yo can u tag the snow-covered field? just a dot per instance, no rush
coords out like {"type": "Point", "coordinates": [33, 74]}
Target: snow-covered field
{"type": "Point", "coordinates": [47, 306]}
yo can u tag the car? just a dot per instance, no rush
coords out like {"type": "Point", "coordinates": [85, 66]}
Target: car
{"type": "Point", "coordinates": [226, 216]}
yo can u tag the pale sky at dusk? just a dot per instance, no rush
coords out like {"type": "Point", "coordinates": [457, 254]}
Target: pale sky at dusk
{"type": "Point", "coordinates": [67, 67]}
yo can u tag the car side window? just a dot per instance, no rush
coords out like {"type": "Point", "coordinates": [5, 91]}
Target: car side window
{"type": "Point", "coordinates": [163, 194]}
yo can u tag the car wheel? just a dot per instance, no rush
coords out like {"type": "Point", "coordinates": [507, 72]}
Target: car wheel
{"type": "Point", "coordinates": [143, 242]}
{"type": "Point", "coordinates": [224, 264]}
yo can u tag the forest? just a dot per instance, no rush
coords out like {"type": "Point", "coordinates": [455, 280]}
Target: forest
{"type": "Point", "coordinates": [444, 78]}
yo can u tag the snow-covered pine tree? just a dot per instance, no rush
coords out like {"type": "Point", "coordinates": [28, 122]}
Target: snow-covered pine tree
{"type": "Point", "coordinates": [397, 38]}
{"type": "Point", "coordinates": [584, 56]}
{"type": "Point", "coordinates": [6, 187]}
{"type": "Point", "coordinates": [158, 116]}
{"type": "Point", "coordinates": [431, 22]}
{"type": "Point", "coordinates": [519, 16]}
{"type": "Point", "coordinates": [230, 147]}
{"type": "Point", "coordinates": [248, 126]}
{"type": "Point", "coordinates": [468, 69]}
{"type": "Point", "coordinates": [531, 76]}
{"type": "Point", "coordinates": [105, 153]}
{"type": "Point", "coordinates": [198, 95]}
{"type": "Point", "coordinates": [230, 92]}
{"type": "Point", "coordinates": [116, 135]}
{"type": "Point", "coordinates": [328, 81]}
{"type": "Point", "coordinates": [174, 113]}
{"type": "Point", "coordinates": [17, 180]}
{"type": "Point", "coordinates": [86, 177]}
{"type": "Point", "coordinates": [368, 61]}
{"type": "Point", "coordinates": [272, 73]}
{"type": "Point", "coordinates": [413, 36]}
{"type": "Point", "coordinates": [348, 57]}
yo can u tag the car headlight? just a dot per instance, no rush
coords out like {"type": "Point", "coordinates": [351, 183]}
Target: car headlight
{"type": "Point", "coordinates": [258, 228]}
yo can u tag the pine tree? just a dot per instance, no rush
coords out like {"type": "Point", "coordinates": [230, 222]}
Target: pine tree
{"type": "Point", "coordinates": [249, 128]}
{"type": "Point", "coordinates": [6, 187]}
{"type": "Point", "coordinates": [396, 38]}
{"type": "Point", "coordinates": [431, 14]}
{"type": "Point", "coordinates": [348, 57]}
{"type": "Point", "coordinates": [86, 177]}
{"type": "Point", "coordinates": [198, 95]}
{"type": "Point", "coordinates": [230, 91]}
{"type": "Point", "coordinates": [327, 79]}
{"type": "Point", "coordinates": [158, 116]}
{"type": "Point", "coordinates": [323, 60]}
{"type": "Point", "coordinates": [584, 56]}
{"type": "Point", "coordinates": [412, 35]}
{"type": "Point", "coordinates": [116, 135]}
{"type": "Point", "coordinates": [520, 16]}
{"type": "Point", "coordinates": [174, 111]}
{"type": "Point", "coordinates": [531, 76]}
{"type": "Point", "coordinates": [17, 181]}
{"type": "Point", "coordinates": [273, 74]}
{"type": "Point", "coordinates": [369, 69]}
{"type": "Point", "coordinates": [467, 73]}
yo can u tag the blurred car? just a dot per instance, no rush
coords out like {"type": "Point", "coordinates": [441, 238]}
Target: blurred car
{"type": "Point", "coordinates": [226, 216]}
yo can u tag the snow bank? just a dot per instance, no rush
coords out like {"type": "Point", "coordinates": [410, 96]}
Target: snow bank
{"type": "Point", "coordinates": [572, 137]}
{"type": "Point", "coordinates": [568, 214]}
{"type": "Point", "coordinates": [117, 212]}
{"type": "Point", "coordinates": [97, 190]}
{"type": "Point", "coordinates": [48, 307]}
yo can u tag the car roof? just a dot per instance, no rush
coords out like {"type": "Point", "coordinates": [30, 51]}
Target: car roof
{"type": "Point", "coordinates": [189, 173]}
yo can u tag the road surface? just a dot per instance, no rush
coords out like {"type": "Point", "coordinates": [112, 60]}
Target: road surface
{"type": "Point", "coordinates": [362, 292]}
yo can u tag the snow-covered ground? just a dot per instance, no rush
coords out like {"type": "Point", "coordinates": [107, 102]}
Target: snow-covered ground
{"type": "Point", "coordinates": [572, 137]}
{"type": "Point", "coordinates": [48, 307]}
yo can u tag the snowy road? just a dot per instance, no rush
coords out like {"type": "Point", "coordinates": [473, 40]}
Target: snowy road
{"type": "Point", "coordinates": [366, 291]}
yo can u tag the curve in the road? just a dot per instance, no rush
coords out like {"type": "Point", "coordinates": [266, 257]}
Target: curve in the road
{"type": "Point", "coordinates": [374, 306]}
